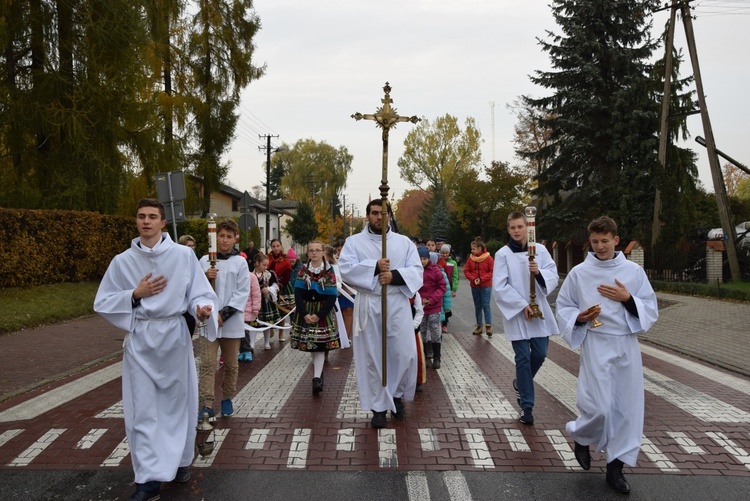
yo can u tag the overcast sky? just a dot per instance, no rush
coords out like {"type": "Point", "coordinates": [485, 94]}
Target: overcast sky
{"type": "Point", "coordinates": [330, 58]}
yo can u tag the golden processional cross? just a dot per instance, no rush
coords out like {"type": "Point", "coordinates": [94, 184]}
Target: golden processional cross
{"type": "Point", "coordinates": [386, 118]}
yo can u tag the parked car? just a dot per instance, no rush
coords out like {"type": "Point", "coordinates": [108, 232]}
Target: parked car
{"type": "Point", "coordinates": [742, 230]}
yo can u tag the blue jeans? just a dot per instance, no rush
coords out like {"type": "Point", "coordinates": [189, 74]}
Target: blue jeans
{"type": "Point", "coordinates": [482, 297]}
{"type": "Point", "coordinates": [530, 355]}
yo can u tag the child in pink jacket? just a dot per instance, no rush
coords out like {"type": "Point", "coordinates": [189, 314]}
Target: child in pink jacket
{"type": "Point", "coordinates": [251, 313]}
{"type": "Point", "coordinates": [433, 288]}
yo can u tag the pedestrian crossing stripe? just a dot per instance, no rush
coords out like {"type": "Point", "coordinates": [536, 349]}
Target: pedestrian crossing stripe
{"type": "Point", "coordinates": [697, 403]}
{"type": "Point", "coordinates": [474, 439]}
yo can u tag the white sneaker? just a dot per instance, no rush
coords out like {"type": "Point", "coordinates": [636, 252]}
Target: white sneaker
{"type": "Point", "coordinates": [268, 346]}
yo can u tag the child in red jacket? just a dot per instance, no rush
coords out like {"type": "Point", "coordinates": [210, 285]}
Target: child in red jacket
{"type": "Point", "coordinates": [478, 270]}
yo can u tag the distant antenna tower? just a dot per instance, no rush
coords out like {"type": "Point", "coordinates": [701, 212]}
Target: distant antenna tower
{"type": "Point", "coordinates": [492, 113]}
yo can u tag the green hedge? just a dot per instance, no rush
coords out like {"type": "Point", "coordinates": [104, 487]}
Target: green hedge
{"type": "Point", "coordinates": [724, 291]}
{"type": "Point", "coordinates": [51, 246]}
{"type": "Point", "coordinates": [42, 247]}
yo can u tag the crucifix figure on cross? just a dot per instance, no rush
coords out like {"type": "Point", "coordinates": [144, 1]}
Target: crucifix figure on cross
{"type": "Point", "coordinates": [385, 117]}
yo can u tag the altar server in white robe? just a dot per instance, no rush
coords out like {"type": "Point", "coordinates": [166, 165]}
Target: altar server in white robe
{"type": "Point", "coordinates": [616, 292]}
{"type": "Point", "coordinates": [145, 291]}
{"type": "Point", "coordinates": [511, 289]}
{"type": "Point", "coordinates": [232, 283]}
{"type": "Point", "coordinates": [363, 268]}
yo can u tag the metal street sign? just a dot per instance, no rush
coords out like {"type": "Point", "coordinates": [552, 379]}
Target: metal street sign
{"type": "Point", "coordinates": [170, 186]}
{"type": "Point", "coordinates": [245, 203]}
{"type": "Point", "coordinates": [179, 212]}
{"type": "Point", "coordinates": [247, 221]}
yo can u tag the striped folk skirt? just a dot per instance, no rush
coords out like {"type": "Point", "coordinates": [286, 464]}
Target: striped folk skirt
{"type": "Point", "coordinates": [322, 336]}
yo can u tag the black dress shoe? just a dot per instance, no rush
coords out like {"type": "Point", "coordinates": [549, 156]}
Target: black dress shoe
{"type": "Point", "coordinates": [183, 474]}
{"type": "Point", "coordinates": [583, 456]}
{"type": "Point", "coordinates": [148, 491]}
{"type": "Point", "coordinates": [400, 411]}
{"type": "Point", "coordinates": [615, 478]}
{"type": "Point", "coordinates": [317, 385]}
{"type": "Point", "coordinates": [378, 419]}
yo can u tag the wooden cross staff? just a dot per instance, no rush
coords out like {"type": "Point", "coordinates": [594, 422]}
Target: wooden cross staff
{"type": "Point", "coordinates": [386, 118]}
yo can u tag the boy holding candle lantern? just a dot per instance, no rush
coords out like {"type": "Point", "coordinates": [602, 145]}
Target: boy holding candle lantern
{"type": "Point", "coordinates": [232, 283]}
{"type": "Point", "coordinates": [515, 264]}
{"type": "Point", "coordinates": [604, 303]}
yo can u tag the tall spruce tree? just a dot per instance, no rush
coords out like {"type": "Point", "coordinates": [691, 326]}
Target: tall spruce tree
{"type": "Point", "coordinates": [602, 114]}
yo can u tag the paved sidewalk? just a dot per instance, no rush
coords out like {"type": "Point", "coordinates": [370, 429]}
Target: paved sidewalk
{"type": "Point", "coordinates": [35, 357]}
{"type": "Point", "coordinates": [717, 332]}
{"type": "Point", "coordinates": [707, 329]}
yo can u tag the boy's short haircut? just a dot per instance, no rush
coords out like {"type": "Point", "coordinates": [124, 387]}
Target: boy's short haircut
{"type": "Point", "coordinates": [603, 225]}
{"type": "Point", "coordinates": [151, 202]}
{"type": "Point", "coordinates": [229, 225]}
{"type": "Point", "coordinates": [516, 215]}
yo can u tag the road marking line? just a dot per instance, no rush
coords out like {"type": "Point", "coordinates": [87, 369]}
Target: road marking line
{"type": "Point", "coordinates": [416, 486]}
{"type": "Point", "coordinates": [734, 382]}
{"type": "Point", "coordinates": [686, 443]}
{"type": "Point", "coordinates": [480, 453]}
{"type": "Point", "coordinates": [694, 402]}
{"type": "Point", "coordinates": [563, 449]}
{"type": "Point", "coordinates": [738, 452]}
{"type": "Point", "coordinates": [8, 435]}
{"type": "Point", "coordinates": [699, 404]}
{"type": "Point", "coordinates": [429, 439]}
{"type": "Point", "coordinates": [204, 462]}
{"type": "Point", "coordinates": [458, 489]}
{"type": "Point", "coordinates": [117, 455]}
{"type": "Point", "coordinates": [472, 394]}
{"type": "Point", "coordinates": [345, 440]}
{"type": "Point", "coordinates": [114, 411]}
{"type": "Point", "coordinates": [61, 395]}
{"type": "Point", "coordinates": [349, 406]}
{"type": "Point", "coordinates": [27, 456]}
{"type": "Point", "coordinates": [265, 395]}
{"type": "Point", "coordinates": [387, 454]}
{"type": "Point", "coordinates": [257, 439]}
{"type": "Point", "coordinates": [299, 447]}
{"type": "Point", "coordinates": [554, 379]}
{"type": "Point", "coordinates": [516, 440]}
{"type": "Point", "coordinates": [90, 438]}
{"type": "Point", "coordinates": [656, 456]}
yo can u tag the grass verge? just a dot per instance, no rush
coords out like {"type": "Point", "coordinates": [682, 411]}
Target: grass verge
{"type": "Point", "coordinates": [735, 291]}
{"type": "Point", "coordinates": [28, 307]}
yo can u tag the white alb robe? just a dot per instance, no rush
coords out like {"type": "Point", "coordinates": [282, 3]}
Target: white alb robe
{"type": "Point", "coordinates": [232, 288]}
{"type": "Point", "coordinates": [343, 335]}
{"type": "Point", "coordinates": [159, 380]}
{"type": "Point", "coordinates": [610, 396]}
{"type": "Point", "coordinates": [511, 290]}
{"type": "Point", "coordinates": [357, 263]}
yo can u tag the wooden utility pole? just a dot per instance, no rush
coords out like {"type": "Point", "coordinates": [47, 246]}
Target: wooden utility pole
{"type": "Point", "coordinates": [664, 129]}
{"type": "Point", "coordinates": [720, 189]}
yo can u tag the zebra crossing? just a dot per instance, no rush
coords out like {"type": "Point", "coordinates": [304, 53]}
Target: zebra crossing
{"type": "Point", "coordinates": [471, 417]}
{"type": "Point", "coordinates": [387, 445]}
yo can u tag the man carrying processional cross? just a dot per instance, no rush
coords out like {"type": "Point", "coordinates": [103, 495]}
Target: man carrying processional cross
{"type": "Point", "coordinates": [363, 268]}
{"type": "Point", "coordinates": [385, 355]}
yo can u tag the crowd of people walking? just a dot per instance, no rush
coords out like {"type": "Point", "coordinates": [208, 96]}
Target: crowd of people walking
{"type": "Point", "coordinates": [339, 296]}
